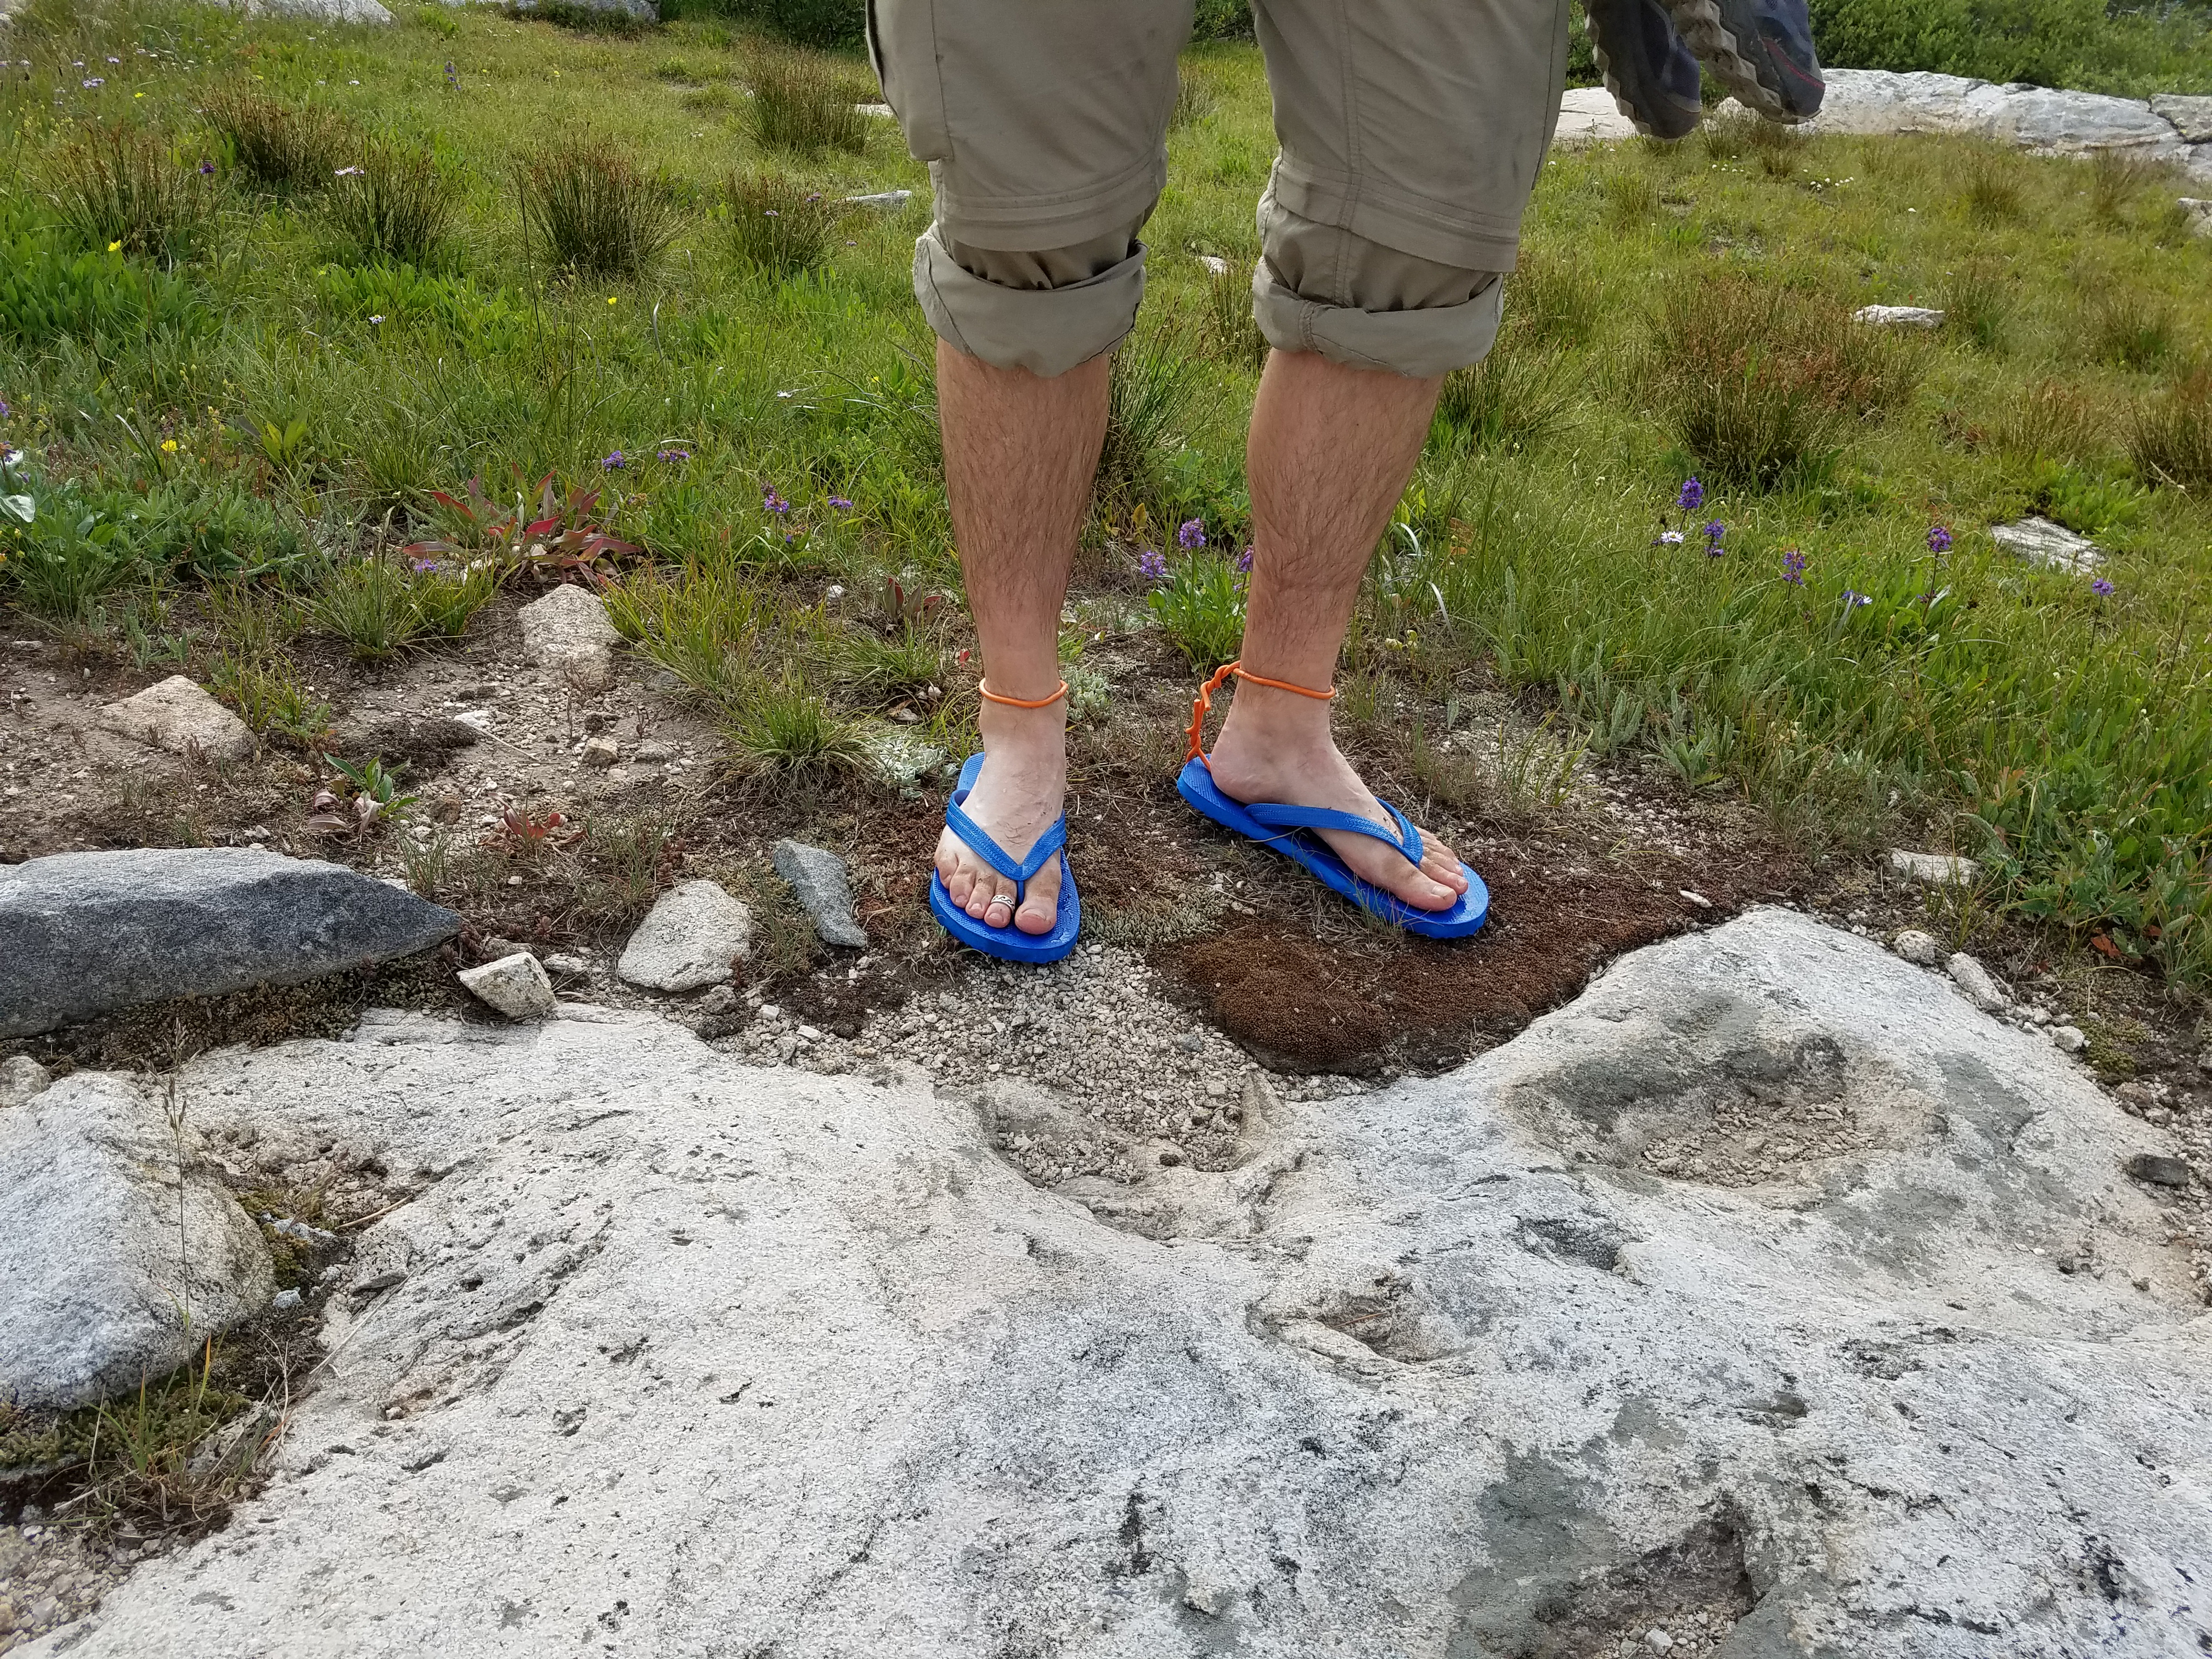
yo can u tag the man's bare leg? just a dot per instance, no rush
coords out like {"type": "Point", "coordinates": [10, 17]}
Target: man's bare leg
{"type": "Point", "coordinates": [1019, 454]}
{"type": "Point", "coordinates": [1331, 450]}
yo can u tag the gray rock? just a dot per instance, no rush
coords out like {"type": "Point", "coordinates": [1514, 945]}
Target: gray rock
{"type": "Point", "coordinates": [568, 632]}
{"type": "Point", "coordinates": [1934, 869]}
{"type": "Point", "coordinates": [1898, 316]}
{"type": "Point", "coordinates": [728, 1359]}
{"type": "Point", "coordinates": [689, 938]}
{"type": "Point", "coordinates": [2039, 541]}
{"type": "Point", "coordinates": [2159, 1169]}
{"type": "Point", "coordinates": [2199, 212]}
{"type": "Point", "coordinates": [320, 11]}
{"type": "Point", "coordinates": [2070, 1039]}
{"type": "Point", "coordinates": [1919, 948]}
{"type": "Point", "coordinates": [21, 1077]}
{"type": "Point", "coordinates": [89, 933]}
{"type": "Point", "coordinates": [117, 1264]}
{"type": "Point", "coordinates": [1588, 115]}
{"type": "Point", "coordinates": [2030, 117]}
{"type": "Point", "coordinates": [2191, 117]}
{"type": "Point", "coordinates": [515, 985]}
{"type": "Point", "coordinates": [1977, 982]}
{"type": "Point", "coordinates": [818, 878]}
{"type": "Point", "coordinates": [179, 716]}
{"type": "Point", "coordinates": [883, 201]}
{"type": "Point", "coordinates": [599, 751]}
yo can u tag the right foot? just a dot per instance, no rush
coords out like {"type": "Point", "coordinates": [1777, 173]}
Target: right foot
{"type": "Point", "coordinates": [1760, 50]}
{"type": "Point", "coordinates": [1652, 73]}
{"type": "Point", "coordinates": [1016, 797]}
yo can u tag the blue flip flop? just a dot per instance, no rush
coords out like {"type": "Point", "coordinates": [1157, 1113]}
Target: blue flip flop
{"type": "Point", "coordinates": [1280, 828]}
{"type": "Point", "coordinates": [1009, 943]}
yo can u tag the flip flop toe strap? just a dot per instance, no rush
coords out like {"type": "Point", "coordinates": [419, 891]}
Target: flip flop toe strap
{"type": "Point", "coordinates": [1407, 839]}
{"type": "Point", "coordinates": [1017, 871]}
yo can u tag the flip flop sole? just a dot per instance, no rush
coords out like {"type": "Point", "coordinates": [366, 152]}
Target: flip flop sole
{"type": "Point", "coordinates": [1007, 944]}
{"type": "Point", "coordinates": [1196, 787]}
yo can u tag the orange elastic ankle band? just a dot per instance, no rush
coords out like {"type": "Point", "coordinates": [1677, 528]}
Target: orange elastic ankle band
{"type": "Point", "coordinates": [1199, 709]}
{"type": "Point", "coordinates": [989, 696]}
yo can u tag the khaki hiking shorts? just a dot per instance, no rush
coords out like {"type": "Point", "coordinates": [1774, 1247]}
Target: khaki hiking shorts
{"type": "Point", "coordinates": [1410, 135]}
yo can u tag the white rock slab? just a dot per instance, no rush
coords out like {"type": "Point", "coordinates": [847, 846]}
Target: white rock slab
{"type": "Point", "coordinates": [178, 716]}
{"type": "Point", "coordinates": [2029, 118]}
{"type": "Point", "coordinates": [515, 985]}
{"type": "Point", "coordinates": [1898, 317]}
{"type": "Point", "coordinates": [1934, 869]}
{"type": "Point", "coordinates": [2039, 541]}
{"type": "Point", "coordinates": [320, 11]}
{"type": "Point", "coordinates": [120, 1252]}
{"type": "Point", "coordinates": [687, 1358]}
{"type": "Point", "coordinates": [568, 631]}
{"type": "Point", "coordinates": [2191, 116]}
{"type": "Point", "coordinates": [1588, 115]}
{"type": "Point", "coordinates": [690, 938]}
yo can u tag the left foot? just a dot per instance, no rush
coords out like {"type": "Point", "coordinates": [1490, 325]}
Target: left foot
{"type": "Point", "coordinates": [1256, 760]}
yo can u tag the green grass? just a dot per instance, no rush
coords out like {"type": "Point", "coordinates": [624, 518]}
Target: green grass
{"type": "Point", "coordinates": [327, 363]}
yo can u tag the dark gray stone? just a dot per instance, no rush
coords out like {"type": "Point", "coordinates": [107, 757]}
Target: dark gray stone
{"type": "Point", "coordinates": [2159, 1171]}
{"type": "Point", "coordinates": [88, 933]}
{"type": "Point", "coordinates": [819, 879]}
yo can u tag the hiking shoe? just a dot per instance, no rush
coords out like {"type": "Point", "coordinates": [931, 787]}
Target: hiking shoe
{"type": "Point", "coordinates": [1652, 73]}
{"type": "Point", "coordinates": [1760, 50]}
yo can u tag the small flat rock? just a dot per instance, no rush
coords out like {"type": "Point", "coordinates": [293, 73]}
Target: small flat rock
{"type": "Point", "coordinates": [117, 1262]}
{"type": "Point", "coordinates": [2039, 541]}
{"type": "Point", "coordinates": [2191, 116]}
{"type": "Point", "coordinates": [882, 200]}
{"type": "Point", "coordinates": [599, 751]}
{"type": "Point", "coordinates": [688, 940]}
{"type": "Point", "coordinates": [89, 933]}
{"type": "Point", "coordinates": [1934, 869]}
{"type": "Point", "coordinates": [21, 1077]}
{"type": "Point", "coordinates": [2200, 214]}
{"type": "Point", "coordinates": [1918, 947]}
{"type": "Point", "coordinates": [1898, 316]}
{"type": "Point", "coordinates": [818, 878]}
{"type": "Point", "coordinates": [568, 632]}
{"type": "Point", "coordinates": [515, 985]}
{"type": "Point", "coordinates": [2070, 1039]}
{"type": "Point", "coordinates": [1976, 980]}
{"type": "Point", "coordinates": [2158, 1169]}
{"type": "Point", "coordinates": [179, 716]}
{"type": "Point", "coordinates": [1588, 115]}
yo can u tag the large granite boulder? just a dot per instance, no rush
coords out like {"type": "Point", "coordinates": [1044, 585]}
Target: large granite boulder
{"type": "Point", "coordinates": [1769, 1296]}
{"type": "Point", "coordinates": [89, 933]}
{"type": "Point", "coordinates": [120, 1252]}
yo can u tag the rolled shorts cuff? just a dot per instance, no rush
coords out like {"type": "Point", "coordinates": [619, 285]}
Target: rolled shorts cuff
{"type": "Point", "coordinates": [1419, 344]}
{"type": "Point", "coordinates": [1046, 331]}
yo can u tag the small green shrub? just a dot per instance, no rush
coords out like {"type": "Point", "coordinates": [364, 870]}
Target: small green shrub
{"type": "Point", "coordinates": [118, 186]}
{"type": "Point", "coordinates": [446, 598]}
{"type": "Point", "coordinates": [1222, 20]}
{"type": "Point", "coordinates": [805, 106]}
{"type": "Point", "coordinates": [278, 146]}
{"type": "Point", "coordinates": [595, 212]}
{"type": "Point", "coordinates": [48, 294]}
{"type": "Point", "coordinates": [394, 203]}
{"type": "Point", "coordinates": [1200, 607]}
{"type": "Point", "coordinates": [702, 623]}
{"type": "Point", "coordinates": [272, 696]}
{"type": "Point", "coordinates": [218, 531]}
{"type": "Point", "coordinates": [778, 228]}
{"type": "Point", "coordinates": [2169, 437]}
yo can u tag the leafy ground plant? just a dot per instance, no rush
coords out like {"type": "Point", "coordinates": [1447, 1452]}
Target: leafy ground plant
{"type": "Point", "coordinates": [1199, 603]}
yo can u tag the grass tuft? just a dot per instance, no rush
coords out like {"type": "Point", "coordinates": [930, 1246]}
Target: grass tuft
{"type": "Point", "coordinates": [779, 727]}
{"type": "Point", "coordinates": [278, 146]}
{"type": "Point", "coordinates": [2169, 437]}
{"type": "Point", "coordinates": [805, 106]}
{"type": "Point", "coordinates": [2130, 330]}
{"type": "Point", "coordinates": [778, 227]}
{"type": "Point", "coordinates": [394, 203]}
{"type": "Point", "coordinates": [1978, 303]}
{"type": "Point", "coordinates": [1226, 327]}
{"type": "Point", "coordinates": [117, 186]}
{"type": "Point", "coordinates": [1154, 386]}
{"type": "Point", "coordinates": [595, 211]}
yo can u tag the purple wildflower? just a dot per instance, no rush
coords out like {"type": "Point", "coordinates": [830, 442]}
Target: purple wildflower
{"type": "Point", "coordinates": [1693, 496]}
{"type": "Point", "coordinates": [772, 502]}
{"type": "Point", "coordinates": [453, 80]}
{"type": "Point", "coordinates": [1793, 567]}
{"type": "Point", "coordinates": [839, 504]}
{"type": "Point", "coordinates": [1244, 561]}
{"type": "Point", "coordinates": [1939, 540]}
{"type": "Point", "coordinates": [1191, 535]}
{"type": "Point", "coordinates": [1714, 532]}
{"type": "Point", "coordinates": [614, 462]}
{"type": "Point", "coordinates": [1153, 563]}
{"type": "Point", "coordinates": [1853, 600]}
{"type": "Point", "coordinates": [422, 567]}
{"type": "Point", "coordinates": [674, 456]}
{"type": "Point", "coordinates": [2102, 589]}
{"type": "Point", "coordinates": [207, 168]}
{"type": "Point", "coordinates": [94, 82]}
{"type": "Point", "coordinates": [3, 409]}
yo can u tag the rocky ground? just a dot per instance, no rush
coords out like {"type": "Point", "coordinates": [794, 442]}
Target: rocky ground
{"type": "Point", "coordinates": [833, 1364]}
